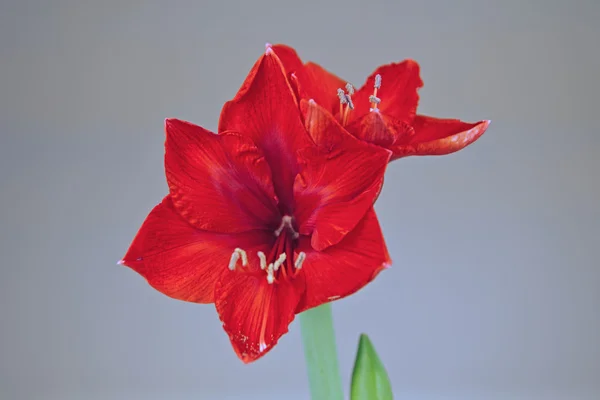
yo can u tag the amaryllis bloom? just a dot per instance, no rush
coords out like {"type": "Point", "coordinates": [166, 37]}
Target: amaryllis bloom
{"type": "Point", "coordinates": [265, 219]}
{"type": "Point", "coordinates": [383, 110]}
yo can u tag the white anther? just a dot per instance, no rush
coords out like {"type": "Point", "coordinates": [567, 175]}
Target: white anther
{"type": "Point", "coordinates": [235, 256]}
{"type": "Point", "coordinates": [263, 259]}
{"type": "Point", "coordinates": [270, 274]}
{"type": "Point", "coordinates": [342, 96]}
{"type": "Point", "coordinates": [300, 259]}
{"type": "Point", "coordinates": [374, 99]}
{"type": "Point", "coordinates": [233, 261]}
{"type": "Point", "coordinates": [377, 81]}
{"type": "Point", "coordinates": [279, 262]}
{"type": "Point", "coordinates": [242, 254]}
{"type": "Point", "coordinates": [349, 89]}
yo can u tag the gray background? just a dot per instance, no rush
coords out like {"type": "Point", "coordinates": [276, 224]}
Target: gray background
{"type": "Point", "coordinates": [494, 293]}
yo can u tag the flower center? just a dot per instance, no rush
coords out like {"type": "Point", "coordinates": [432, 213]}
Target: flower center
{"type": "Point", "coordinates": [282, 262]}
{"type": "Point", "coordinates": [346, 104]}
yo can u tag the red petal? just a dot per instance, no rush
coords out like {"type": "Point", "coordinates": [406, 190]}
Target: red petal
{"type": "Point", "coordinates": [255, 314]}
{"type": "Point", "coordinates": [324, 129]}
{"type": "Point", "coordinates": [343, 269]}
{"type": "Point", "coordinates": [180, 260]}
{"type": "Point", "coordinates": [398, 92]}
{"type": "Point", "coordinates": [379, 129]}
{"type": "Point", "coordinates": [289, 58]}
{"type": "Point", "coordinates": [434, 136]}
{"type": "Point", "coordinates": [312, 80]}
{"type": "Point", "coordinates": [334, 190]}
{"type": "Point", "coordinates": [323, 86]}
{"type": "Point", "coordinates": [219, 183]}
{"type": "Point", "coordinates": [266, 110]}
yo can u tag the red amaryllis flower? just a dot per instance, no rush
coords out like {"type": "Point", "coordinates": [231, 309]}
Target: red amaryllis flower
{"type": "Point", "coordinates": [384, 110]}
{"type": "Point", "coordinates": [264, 219]}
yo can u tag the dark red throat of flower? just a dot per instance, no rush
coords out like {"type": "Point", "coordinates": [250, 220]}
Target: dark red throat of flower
{"type": "Point", "coordinates": [282, 262]}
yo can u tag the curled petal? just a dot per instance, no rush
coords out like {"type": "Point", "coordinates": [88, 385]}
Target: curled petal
{"type": "Point", "coordinates": [255, 314]}
{"type": "Point", "coordinates": [219, 183]}
{"type": "Point", "coordinates": [343, 269]}
{"type": "Point", "coordinates": [265, 110]}
{"type": "Point", "coordinates": [179, 260]}
{"type": "Point", "coordinates": [399, 95]}
{"type": "Point", "coordinates": [435, 136]}
{"type": "Point", "coordinates": [334, 190]}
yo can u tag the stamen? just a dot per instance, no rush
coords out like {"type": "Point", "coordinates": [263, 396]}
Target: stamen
{"type": "Point", "coordinates": [263, 259]}
{"type": "Point", "coordinates": [244, 256]}
{"type": "Point", "coordinates": [280, 260]}
{"type": "Point", "coordinates": [300, 259]}
{"type": "Point", "coordinates": [342, 96]}
{"type": "Point", "coordinates": [345, 99]}
{"type": "Point", "coordinates": [271, 274]}
{"type": "Point", "coordinates": [233, 261]}
{"type": "Point", "coordinates": [350, 104]}
{"type": "Point", "coordinates": [373, 98]}
{"type": "Point", "coordinates": [349, 89]}
{"type": "Point", "coordinates": [235, 256]}
{"type": "Point", "coordinates": [377, 81]}
{"type": "Point", "coordinates": [374, 102]}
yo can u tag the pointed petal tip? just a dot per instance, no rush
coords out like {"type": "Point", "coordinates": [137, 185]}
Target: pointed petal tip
{"type": "Point", "coordinates": [245, 358]}
{"type": "Point", "coordinates": [483, 125]}
{"type": "Point", "coordinates": [170, 122]}
{"type": "Point", "coordinates": [268, 49]}
{"type": "Point", "coordinates": [121, 262]}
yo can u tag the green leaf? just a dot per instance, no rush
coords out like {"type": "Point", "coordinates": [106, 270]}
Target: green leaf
{"type": "Point", "coordinates": [370, 380]}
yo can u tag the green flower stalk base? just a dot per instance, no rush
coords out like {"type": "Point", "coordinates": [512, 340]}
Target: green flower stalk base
{"type": "Point", "coordinates": [318, 337]}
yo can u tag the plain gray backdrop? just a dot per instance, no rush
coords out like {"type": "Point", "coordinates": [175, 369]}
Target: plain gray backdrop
{"type": "Point", "coordinates": [495, 288]}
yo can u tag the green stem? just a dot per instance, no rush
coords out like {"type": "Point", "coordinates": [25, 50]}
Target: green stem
{"type": "Point", "coordinates": [318, 337]}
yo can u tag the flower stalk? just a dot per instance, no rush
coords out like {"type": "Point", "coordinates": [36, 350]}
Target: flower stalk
{"type": "Point", "coordinates": [318, 337]}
